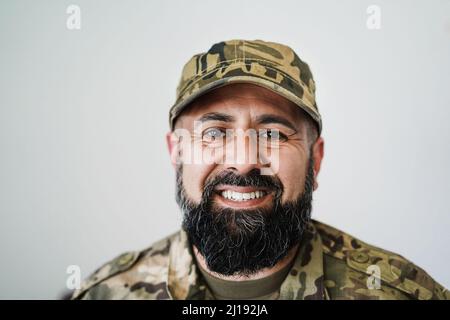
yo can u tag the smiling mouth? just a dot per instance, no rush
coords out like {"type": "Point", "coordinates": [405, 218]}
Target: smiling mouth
{"type": "Point", "coordinates": [235, 196]}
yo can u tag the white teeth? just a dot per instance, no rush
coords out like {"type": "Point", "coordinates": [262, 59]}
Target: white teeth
{"type": "Point", "coordinates": [238, 196]}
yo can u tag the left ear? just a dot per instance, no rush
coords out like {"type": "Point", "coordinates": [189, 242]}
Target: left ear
{"type": "Point", "coordinates": [173, 146]}
{"type": "Point", "coordinates": [317, 153]}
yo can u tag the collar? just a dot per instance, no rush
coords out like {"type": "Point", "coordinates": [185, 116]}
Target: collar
{"type": "Point", "coordinates": [304, 281]}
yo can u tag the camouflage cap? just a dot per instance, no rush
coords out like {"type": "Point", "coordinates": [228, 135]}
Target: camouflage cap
{"type": "Point", "coordinates": [271, 65]}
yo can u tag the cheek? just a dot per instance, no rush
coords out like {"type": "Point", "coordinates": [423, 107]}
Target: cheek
{"type": "Point", "coordinates": [292, 173]}
{"type": "Point", "coordinates": [194, 177]}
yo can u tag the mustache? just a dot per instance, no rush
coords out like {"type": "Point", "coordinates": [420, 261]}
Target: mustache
{"type": "Point", "coordinates": [252, 179]}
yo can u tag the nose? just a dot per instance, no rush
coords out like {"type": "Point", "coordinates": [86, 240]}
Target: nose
{"type": "Point", "coordinates": [241, 154]}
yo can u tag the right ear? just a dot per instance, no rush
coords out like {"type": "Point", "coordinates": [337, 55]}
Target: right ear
{"type": "Point", "coordinates": [173, 146]}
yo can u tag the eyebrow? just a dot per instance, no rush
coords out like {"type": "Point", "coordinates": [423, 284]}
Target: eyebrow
{"type": "Point", "coordinates": [216, 116]}
{"type": "Point", "coordinates": [262, 119]}
{"type": "Point", "coordinates": [271, 118]}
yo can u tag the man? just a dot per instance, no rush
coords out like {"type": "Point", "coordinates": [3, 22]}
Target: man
{"type": "Point", "coordinates": [245, 142]}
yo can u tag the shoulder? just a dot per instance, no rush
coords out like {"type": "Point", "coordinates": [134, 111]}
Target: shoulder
{"type": "Point", "coordinates": [355, 263]}
{"type": "Point", "coordinates": [128, 272]}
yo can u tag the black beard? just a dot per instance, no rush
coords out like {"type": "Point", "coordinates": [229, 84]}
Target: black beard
{"type": "Point", "coordinates": [244, 241]}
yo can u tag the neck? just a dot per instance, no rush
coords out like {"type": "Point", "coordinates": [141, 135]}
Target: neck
{"type": "Point", "coordinates": [258, 275]}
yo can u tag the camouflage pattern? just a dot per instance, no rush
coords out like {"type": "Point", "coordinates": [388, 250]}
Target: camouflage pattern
{"type": "Point", "coordinates": [267, 64]}
{"type": "Point", "coordinates": [330, 264]}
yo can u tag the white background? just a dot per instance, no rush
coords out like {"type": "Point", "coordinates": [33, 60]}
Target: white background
{"type": "Point", "coordinates": [84, 169]}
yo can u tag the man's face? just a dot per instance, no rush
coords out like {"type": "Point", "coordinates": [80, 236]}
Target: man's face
{"type": "Point", "coordinates": [230, 197]}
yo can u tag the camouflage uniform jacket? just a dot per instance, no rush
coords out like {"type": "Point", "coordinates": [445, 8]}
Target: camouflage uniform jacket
{"type": "Point", "coordinates": [329, 265]}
